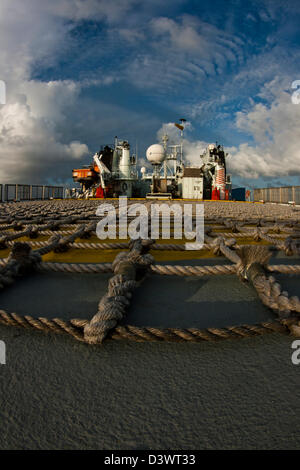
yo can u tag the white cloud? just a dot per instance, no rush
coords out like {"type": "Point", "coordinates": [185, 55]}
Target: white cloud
{"type": "Point", "coordinates": [90, 9]}
{"type": "Point", "coordinates": [182, 36]}
{"type": "Point", "coordinates": [176, 55]}
{"type": "Point", "coordinates": [275, 130]}
{"type": "Point", "coordinates": [183, 52]}
{"type": "Point", "coordinates": [30, 151]}
{"type": "Point", "coordinates": [31, 146]}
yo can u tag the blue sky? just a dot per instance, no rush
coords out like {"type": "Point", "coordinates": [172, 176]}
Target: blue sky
{"type": "Point", "coordinates": [79, 72]}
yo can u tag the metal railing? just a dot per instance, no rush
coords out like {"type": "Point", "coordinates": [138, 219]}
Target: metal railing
{"type": "Point", "coordinates": [27, 192]}
{"type": "Point", "coordinates": [281, 195]}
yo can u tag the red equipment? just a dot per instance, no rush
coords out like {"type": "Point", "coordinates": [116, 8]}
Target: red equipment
{"type": "Point", "coordinates": [215, 194]}
{"type": "Point", "coordinates": [100, 193]}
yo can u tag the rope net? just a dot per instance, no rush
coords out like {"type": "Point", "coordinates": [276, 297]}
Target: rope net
{"type": "Point", "coordinates": [247, 237]}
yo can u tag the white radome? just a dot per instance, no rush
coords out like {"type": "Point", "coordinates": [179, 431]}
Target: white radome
{"type": "Point", "coordinates": [143, 170]}
{"type": "Point", "coordinates": [211, 146]}
{"type": "Point", "coordinates": [155, 154]}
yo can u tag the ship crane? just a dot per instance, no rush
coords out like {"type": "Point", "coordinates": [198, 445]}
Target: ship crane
{"type": "Point", "coordinates": [102, 169]}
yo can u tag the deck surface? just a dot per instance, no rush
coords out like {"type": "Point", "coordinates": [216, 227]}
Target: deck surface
{"type": "Point", "coordinates": [57, 393]}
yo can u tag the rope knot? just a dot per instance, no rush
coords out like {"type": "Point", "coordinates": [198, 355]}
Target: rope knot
{"type": "Point", "coordinates": [33, 232]}
{"type": "Point", "coordinates": [253, 261]}
{"type": "Point", "coordinates": [53, 226]}
{"type": "Point", "coordinates": [290, 246]}
{"type": "Point", "coordinates": [18, 226]}
{"type": "Point", "coordinates": [257, 234]}
{"type": "Point", "coordinates": [88, 231]}
{"type": "Point", "coordinates": [129, 269]}
{"type": "Point", "coordinates": [216, 245]}
{"type": "Point", "coordinates": [277, 228]}
{"type": "Point", "coordinates": [230, 242]}
{"type": "Point", "coordinates": [3, 244]}
{"type": "Point", "coordinates": [293, 326]}
{"type": "Point", "coordinates": [22, 260]}
{"type": "Point", "coordinates": [219, 242]}
{"type": "Point", "coordinates": [62, 246]}
{"type": "Point", "coordinates": [233, 226]}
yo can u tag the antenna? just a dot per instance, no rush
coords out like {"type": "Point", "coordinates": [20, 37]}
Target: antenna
{"type": "Point", "coordinates": [136, 151]}
{"type": "Point", "coordinates": [182, 120]}
{"type": "Point", "coordinates": [165, 139]}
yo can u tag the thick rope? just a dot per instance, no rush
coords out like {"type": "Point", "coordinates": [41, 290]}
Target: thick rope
{"type": "Point", "coordinates": [21, 261]}
{"type": "Point", "coordinates": [249, 264]}
{"type": "Point", "coordinates": [115, 246]}
{"type": "Point", "coordinates": [9, 237]}
{"type": "Point", "coordinates": [163, 269]}
{"type": "Point", "coordinates": [129, 269]}
{"type": "Point", "coordinates": [49, 246]}
{"type": "Point", "coordinates": [75, 268]}
{"type": "Point", "coordinates": [55, 325]}
{"type": "Point", "coordinates": [253, 267]}
{"type": "Point", "coordinates": [75, 328]}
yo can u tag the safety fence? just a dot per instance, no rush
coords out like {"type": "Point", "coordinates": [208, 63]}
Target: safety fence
{"type": "Point", "coordinates": [276, 229]}
{"type": "Point", "coordinates": [282, 195]}
{"type": "Point", "coordinates": [27, 192]}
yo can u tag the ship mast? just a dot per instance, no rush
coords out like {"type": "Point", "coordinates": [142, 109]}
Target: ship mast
{"type": "Point", "coordinates": [182, 120]}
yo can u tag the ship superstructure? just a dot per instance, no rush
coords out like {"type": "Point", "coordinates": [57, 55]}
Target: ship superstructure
{"type": "Point", "coordinates": [113, 172]}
